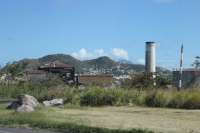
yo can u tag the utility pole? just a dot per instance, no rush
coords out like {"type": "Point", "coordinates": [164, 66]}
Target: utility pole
{"type": "Point", "coordinates": [181, 69]}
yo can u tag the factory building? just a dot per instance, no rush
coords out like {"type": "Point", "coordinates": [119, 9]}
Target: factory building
{"type": "Point", "coordinates": [190, 78]}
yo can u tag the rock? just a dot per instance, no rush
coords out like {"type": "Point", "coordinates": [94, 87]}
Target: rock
{"type": "Point", "coordinates": [47, 103]}
{"type": "Point", "coordinates": [28, 100]}
{"type": "Point", "coordinates": [24, 103]}
{"type": "Point", "coordinates": [54, 102]}
{"type": "Point", "coordinates": [25, 108]}
{"type": "Point", "coordinates": [13, 105]}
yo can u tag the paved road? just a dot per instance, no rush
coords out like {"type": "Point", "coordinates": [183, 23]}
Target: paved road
{"type": "Point", "coordinates": [15, 130]}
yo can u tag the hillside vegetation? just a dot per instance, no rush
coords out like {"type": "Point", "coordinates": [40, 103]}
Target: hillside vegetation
{"type": "Point", "coordinates": [21, 66]}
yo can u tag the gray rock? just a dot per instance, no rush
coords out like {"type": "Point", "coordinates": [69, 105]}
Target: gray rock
{"type": "Point", "coordinates": [24, 103]}
{"type": "Point", "coordinates": [28, 100]}
{"type": "Point", "coordinates": [13, 105]}
{"type": "Point", "coordinates": [47, 103]}
{"type": "Point", "coordinates": [54, 102]}
{"type": "Point", "coordinates": [25, 108]}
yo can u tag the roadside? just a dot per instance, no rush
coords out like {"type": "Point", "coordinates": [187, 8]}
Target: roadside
{"type": "Point", "coordinates": [103, 119]}
{"type": "Point", "coordinates": [18, 130]}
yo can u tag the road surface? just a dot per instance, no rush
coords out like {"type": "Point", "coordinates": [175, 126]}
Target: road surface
{"type": "Point", "coordinates": [16, 130]}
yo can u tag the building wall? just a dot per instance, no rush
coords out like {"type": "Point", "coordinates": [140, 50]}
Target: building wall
{"type": "Point", "coordinates": [36, 77]}
{"type": "Point", "coordinates": [187, 79]}
{"type": "Point", "coordinates": [96, 79]}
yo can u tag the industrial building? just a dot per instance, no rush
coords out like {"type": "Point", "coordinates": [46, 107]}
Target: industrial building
{"type": "Point", "coordinates": [66, 72]}
{"type": "Point", "coordinates": [190, 77]}
{"type": "Point", "coordinates": [104, 80]}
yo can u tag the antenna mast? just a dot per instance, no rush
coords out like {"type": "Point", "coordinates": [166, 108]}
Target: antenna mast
{"type": "Point", "coordinates": [181, 68]}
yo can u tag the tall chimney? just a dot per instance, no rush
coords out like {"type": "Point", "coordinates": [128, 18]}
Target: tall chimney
{"type": "Point", "coordinates": [150, 64]}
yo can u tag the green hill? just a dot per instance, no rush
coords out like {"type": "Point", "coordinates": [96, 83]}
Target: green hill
{"type": "Point", "coordinates": [104, 62]}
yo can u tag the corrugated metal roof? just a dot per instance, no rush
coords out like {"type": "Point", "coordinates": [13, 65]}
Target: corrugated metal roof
{"type": "Point", "coordinates": [56, 65]}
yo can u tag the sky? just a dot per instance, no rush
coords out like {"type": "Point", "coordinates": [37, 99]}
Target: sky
{"type": "Point", "coordinates": [88, 29]}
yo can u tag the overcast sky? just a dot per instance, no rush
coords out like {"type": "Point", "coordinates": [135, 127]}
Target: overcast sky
{"type": "Point", "coordinates": [87, 29]}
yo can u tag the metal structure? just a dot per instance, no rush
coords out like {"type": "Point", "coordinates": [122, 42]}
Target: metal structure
{"type": "Point", "coordinates": [67, 72]}
{"type": "Point", "coordinates": [150, 64]}
{"type": "Point", "coordinates": [181, 69]}
{"type": "Point", "coordinates": [189, 77]}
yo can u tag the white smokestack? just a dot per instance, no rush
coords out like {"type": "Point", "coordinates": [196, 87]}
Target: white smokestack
{"type": "Point", "coordinates": [150, 64]}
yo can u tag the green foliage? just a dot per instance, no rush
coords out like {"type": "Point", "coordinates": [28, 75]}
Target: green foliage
{"type": "Point", "coordinates": [162, 81]}
{"type": "Point", "coordinates": [14, 69]}
{"type": "Point", "coordinates": [157, 98]}
{"type": "Point", "coordinates": [196, 62]}
{"type": "Point", "coordinates": [139, 81]}
{"type": "Point", "coordinates": [143, 81]}
{"type": "Point", "coordinates": [96, 96]}
{"type": "Point", "coordinates": [186, 99]}
{"type": "Point", "coordinates": [52, 80]}
{"type": "Point", "coordinates": [101, 62]}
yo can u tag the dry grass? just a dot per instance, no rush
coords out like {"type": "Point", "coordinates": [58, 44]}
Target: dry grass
{"type": "Point", "coordinates": [159, 120]}
{"type": "Point", "coordinates": [153, 119]}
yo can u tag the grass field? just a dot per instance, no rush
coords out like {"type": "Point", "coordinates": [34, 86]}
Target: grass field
{"type": "Point", "coordinates": [124, 118]}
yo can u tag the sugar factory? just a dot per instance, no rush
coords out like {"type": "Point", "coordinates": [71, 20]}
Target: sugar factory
{"type": "Point", "coordinates": [181, 78]}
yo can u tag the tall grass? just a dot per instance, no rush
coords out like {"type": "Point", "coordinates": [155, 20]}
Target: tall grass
{"type": "Point", "coordinates": [97, 96]}
{"type": "Point", "coordinates": [39, 120]}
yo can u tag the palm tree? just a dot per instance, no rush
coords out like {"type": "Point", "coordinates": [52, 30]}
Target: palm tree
{"type": "Point", "coordinates": [196, 62]}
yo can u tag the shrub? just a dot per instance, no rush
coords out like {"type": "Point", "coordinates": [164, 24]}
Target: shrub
{"type": "Point", "coordinates": [97, 97]}
{"type": "Point", "coordinates": [177, 100]}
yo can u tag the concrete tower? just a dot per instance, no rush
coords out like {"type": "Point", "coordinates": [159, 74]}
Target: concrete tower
{"type": "Point", "coordinates": [150, 64]}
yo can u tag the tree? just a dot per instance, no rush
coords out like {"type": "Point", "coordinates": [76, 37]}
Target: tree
{"type": "Point", "coordinates": [196, 62]}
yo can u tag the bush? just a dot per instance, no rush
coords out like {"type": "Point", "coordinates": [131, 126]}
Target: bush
{"type": "Point", "coordinates": [157, 98]}
{"type": "Point", "coordinates": [97, 96]}
{"type": "Point", "coordinates": [186, 99]}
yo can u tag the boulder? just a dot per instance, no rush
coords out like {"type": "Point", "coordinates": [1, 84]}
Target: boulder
{"type": "Point", "coordinates": [13, 105]}
{"type": "Point", "coordinates": [24, 103]}
{"type": "Point", "coordinates": [25, 108]}
{"type": "Point", "coordinates": [54, 102]}
{"type": "Point", "coordinates": [28, 100]}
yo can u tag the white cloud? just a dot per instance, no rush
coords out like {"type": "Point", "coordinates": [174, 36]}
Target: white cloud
{"type": "Point", "coordinates": [141, 61]}
{"type": "Point", "coordinates": [100, 52]}
{"type": "Point", "coordinates": [116, 53]}
{"type": "Point", "coordinates": [82, 54]}
{"type": "Point", "coordinates": [119, 53]}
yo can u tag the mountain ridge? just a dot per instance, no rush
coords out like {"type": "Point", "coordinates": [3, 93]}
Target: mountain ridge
{"type": "Point", "coordinates": [99, 63]}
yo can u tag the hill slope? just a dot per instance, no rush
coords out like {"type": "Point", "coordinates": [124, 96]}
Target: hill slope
{"type": "Point", "coordinates": [99, 63]}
